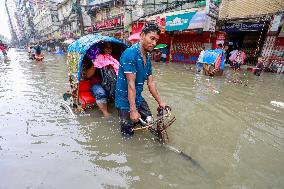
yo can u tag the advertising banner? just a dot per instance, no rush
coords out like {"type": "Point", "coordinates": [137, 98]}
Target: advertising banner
{"type": "Point", "coordinates": [178, 22]}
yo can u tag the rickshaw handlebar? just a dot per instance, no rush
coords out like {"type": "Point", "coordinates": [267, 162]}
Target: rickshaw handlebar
{"type": "Point", "coordinates": [168, 110]}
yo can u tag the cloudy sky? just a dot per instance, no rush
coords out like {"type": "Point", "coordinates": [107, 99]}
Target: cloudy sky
{"type": "Point", "coordinates": [4, 21]}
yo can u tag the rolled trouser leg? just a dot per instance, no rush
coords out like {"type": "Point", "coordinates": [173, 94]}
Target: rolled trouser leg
{"type": "Point", "coordinates": [145, 111]}
{"type": "Point", "coordinates": [126, 125]}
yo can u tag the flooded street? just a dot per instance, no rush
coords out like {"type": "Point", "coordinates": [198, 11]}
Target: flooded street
{"type": "Point", "coordinates": [235, 132]}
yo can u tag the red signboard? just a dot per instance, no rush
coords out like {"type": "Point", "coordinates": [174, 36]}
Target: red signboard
{"type": "Point", "coordinates": [118, 21]}
{"type": "Point", "coordinates": [161, 23]}
{"type": "Point", "coordinates": [137, 27]}
{"type": "Point", "coordinates": [220, 39]}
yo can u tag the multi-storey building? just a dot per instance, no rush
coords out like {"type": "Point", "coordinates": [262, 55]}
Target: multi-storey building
{"type": "Point", "coordinates": [26, 10]}
{"type": "Point", "coordinates": [45, 19]}
{"type": "Point", "coordinates": [65, 16]}
{"type": "Point", "coordinates": [71, 18]}
{"type": "Point", "coordinates": [108, 17]}
{"type": "Point", "coordinates": [14, 20]}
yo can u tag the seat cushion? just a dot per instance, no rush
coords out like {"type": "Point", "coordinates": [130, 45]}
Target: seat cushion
{"type": "Point", "coordinates": [86, 98]}
{"type": "Point", "coordinates": [85, 95]}
{"type": "Point", "coordinates": [84, 86]}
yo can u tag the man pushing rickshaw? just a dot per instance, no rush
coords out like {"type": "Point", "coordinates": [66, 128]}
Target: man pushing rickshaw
{"type": "Point", "coordinates": [96, 76]}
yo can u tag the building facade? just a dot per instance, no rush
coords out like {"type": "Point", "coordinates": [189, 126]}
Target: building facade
{"type": "Point", "coordinates": [45, 20]}
{"type": "Point", "coordinates": [26, 9]}
{"type": "Point", "coordinates": [185, 27]}
{"type": "Point", "coordinates": [247, 26]}
{"type": "Point", "coordinates": [108, 17]}
{"type": "Point", "coordinates": [72, 14]}
{"type": "Point", "coordinates": [14, 20]}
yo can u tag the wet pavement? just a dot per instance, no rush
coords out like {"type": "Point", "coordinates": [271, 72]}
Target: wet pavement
{"type": "Point", "coordinates": [235, 132]}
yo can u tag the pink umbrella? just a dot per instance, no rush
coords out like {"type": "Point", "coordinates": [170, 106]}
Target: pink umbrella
{"type": "Point", "coordinates": [134, 38]}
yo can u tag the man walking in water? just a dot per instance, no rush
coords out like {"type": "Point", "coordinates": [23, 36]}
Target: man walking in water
{"type": "Point", "coordinates": [38, 49]}
{"type": "Point", "coordinates": [134, 69]}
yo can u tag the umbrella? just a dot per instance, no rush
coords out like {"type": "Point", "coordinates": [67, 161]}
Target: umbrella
{"type": "Point", "coordinates": [160, 46]}
{"type": "Point", "coordinates": [69, 41]}
{"type": "Point", "coordinates": [134, 37]}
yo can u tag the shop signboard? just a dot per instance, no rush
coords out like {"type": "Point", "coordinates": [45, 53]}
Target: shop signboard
{"type": "Point", "coordinates": [212, 14]}
{"type": "Point", "coordinates": [137, 27]}
{"type": "Point", "coordinates": [178, 22]}
{"type": "Point", "coordinates": [111, 23]}
{"type": "Point", "coordinates": [197, 20]}
{"type": "Point", "coordinates": [161, 23]}
{"type": "Point", "coordinates": [220, 39]}
{"type": "Point", "coordinates": [248, 26]}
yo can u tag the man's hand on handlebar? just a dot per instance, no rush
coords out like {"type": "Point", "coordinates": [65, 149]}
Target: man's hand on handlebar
{"type": "Point", "coordinates": [134, 116]}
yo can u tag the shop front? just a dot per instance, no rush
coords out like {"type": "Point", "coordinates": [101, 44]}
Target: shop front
{"type": "Point", "coordinates": [186, 46]}
{"type": "Point", "coordinates": [188, 34]}
{"type": "Point", "coordinates": [164, 37]}
{"type": "Point", "coordinates": [248, 37]}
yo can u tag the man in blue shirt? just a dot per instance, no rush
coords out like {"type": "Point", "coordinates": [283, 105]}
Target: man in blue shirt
{"type": "Point", "coordinates": [134, 69]}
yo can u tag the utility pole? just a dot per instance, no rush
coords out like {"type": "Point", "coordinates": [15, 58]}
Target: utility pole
{"type": "Point", "coordinates": [80, 17]}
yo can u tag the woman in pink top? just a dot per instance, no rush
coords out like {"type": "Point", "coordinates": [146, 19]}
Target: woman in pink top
{"type": "Point", "coordinates": [106, 59]}
{"type": "Point", "coordinates": [102, 60]}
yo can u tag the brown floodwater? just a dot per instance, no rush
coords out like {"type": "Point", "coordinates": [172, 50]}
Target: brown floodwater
{"type": "Point", "coordinates": [234, 132]}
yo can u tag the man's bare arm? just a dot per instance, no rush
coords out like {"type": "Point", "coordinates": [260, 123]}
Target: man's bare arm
{"type": "Point", "coordinates": [153, 90]}
{"type": "Point", "coordinates": [134, 115]}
